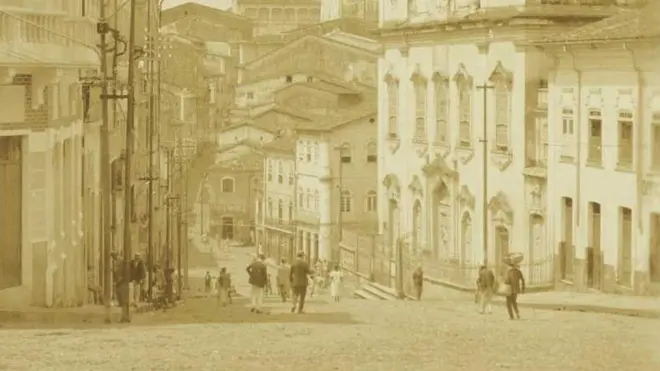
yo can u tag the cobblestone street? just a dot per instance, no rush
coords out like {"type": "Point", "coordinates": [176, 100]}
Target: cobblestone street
{"type": "Point", "coordinates": [354, 334]}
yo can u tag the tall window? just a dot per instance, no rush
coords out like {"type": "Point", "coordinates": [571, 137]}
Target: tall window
{"type": "Point", "coordinates": [392, 106]}
{"type": "Point", "coordinates": [291, 177]}
{"type": "Point", "coordinates": [568, 123]}
{"type": "Point", "coordinates": [625, 139]}
{"type": "Point", "coordinates": [301, 198]}
{"type": "Point", "coordinates": [317, 199]}
{"type": "Point", "coordinates": [227, 185]}
{"type": "Point", "coordinates": [308, 151]}
{"type": "Point", "coordinates": [441, 110]}
{"type": "Point", "coordinates": [269, 170]}
{"type": "Point", "coordinates": [502, 115]}
{"type": "Point", "coordinates": [345, 153]}
{"type": "Point", "coordinates": [655, 150]}
{"type": "Point", "coordinates": [372, 151]}
{"type": "Point", "coordinates": [346, 201]}
{"type": "Point", "coordinates": [372, 200]}
{"type": "Point", "coordinates": [300, 150]}
{"type": "Point", "coordinates": [542, 145]}
{"type": "Point", "coordinates": [280, 210]}
{"type": "Point", "coordinates": [464, 113]}
{"type": "Point", "coordinates": [420, 107]}
{"type": "Point", "coordinates": [595, 155]}
{"type": "Point", "coordinates": [280, 172]}
{"type": "Point", "coordinates": [290, 210]}
{"type": "Point", "coordinates": [313, 151]}
{"type": "Point", "coordinates": [269, 212]}
{"type": "Point", "coordinates": [308, 199]}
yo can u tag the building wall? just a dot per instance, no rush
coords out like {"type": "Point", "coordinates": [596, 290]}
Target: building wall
{"type": "Point", "coordinates": [243, 133]}
{"type": "Point", "coordinates": [279, 234]}
{"type": "Point", "coordinates": [610, 87]}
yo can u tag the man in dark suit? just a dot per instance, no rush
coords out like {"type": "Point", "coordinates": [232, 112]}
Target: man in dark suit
{"type": "Point", "coordinates": [258, 273]}
{"type": "Point", "coordinates": [516, 280]}
{"type": "Point", "coordinates": [299, 278]}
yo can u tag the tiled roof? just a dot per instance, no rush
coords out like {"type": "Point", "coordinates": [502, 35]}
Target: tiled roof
{"type": "Point", "coordinates": [340, 118]}
{"type": "Point", "coordinates": [285, 145]}
{"type": "Point", "coordinates": [628, 25]}
{"type": "Point", "coordinates": [336, 87]}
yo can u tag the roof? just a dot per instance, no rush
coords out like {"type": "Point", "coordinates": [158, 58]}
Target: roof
{"type": "Point", "coordinates": [283, 145]}
{"type": "Point", "coordinates": [633, 24]}
{"type": "Point", "coordinates": [354, 26]}
{"type": "Point", "coordinates": [341, 118]}
{"type": "Point", "coordinates": [253, 144]}
{"type": "Point", "coordinates": [287, 111]}
{"type": "Point", "coordinates": [202, 8]}
{"type": "Point", "coordinates": [285, 49]}
{"type": "Point", "coordinates": [334, 88]}
{"type": "Point", "coordinates": [354, 40]}
{"type": "Point", "coordinates": [506, 13]}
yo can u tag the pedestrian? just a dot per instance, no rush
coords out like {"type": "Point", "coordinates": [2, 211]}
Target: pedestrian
{"type": "Point", "coordinates": [258, 273]}
{"type": "Point", "coordinates": [485, 289]}
{"type": "Point", "coordinates": [299, 279]}
{"type": "Point", "coordinates": [224, 284]}
{"type": "Point", "coordinates": [138, 275]}
{"type": "Point", "coordinates": [516, 282]}
{"type": "Point", "coordinates": [207, 282]}
{"type": "Point", "coordinates": [335, 283]}
{"type": "Point", "coordinates": [418, 281]}
{"type": "Point", "coordinates": [283, 280]}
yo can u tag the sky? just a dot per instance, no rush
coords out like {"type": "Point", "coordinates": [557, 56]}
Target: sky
{"type": "Point", "coordinates": [219, 4]}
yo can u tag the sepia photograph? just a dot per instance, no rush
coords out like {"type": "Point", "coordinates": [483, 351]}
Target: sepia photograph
{"type": "Point", "coordinates": [369, 185]}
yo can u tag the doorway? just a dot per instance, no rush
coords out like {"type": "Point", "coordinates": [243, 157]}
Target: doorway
{"type": "Point", "coordinates": [625, 247]}
{"type": "Point", "coordinates": [654, 249]}
{"type": "Point", "coordinates": [501, 248]}
{"type": "Point", "coordinates": [11, 186]}
{"type": "Point", "coordinates": [566, 248]}
{"type": "Point", "coordinates": [227, 227]}
{"type": "Point", "coordinates": [594, 252]}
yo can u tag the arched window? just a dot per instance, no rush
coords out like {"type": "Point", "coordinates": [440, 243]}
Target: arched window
{"type": "Point", "coordinates": [372, 151]}
{"type": "Point", "coordinates": [227, 185]}
{"type": "Point", "coordinates": [346, 201]}
{"type": "Point", "coordinates": [372, 200]}
{"type": "Point", "coordinates": [345, 153]}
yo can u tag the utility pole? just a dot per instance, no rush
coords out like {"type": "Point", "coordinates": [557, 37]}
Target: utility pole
{"type": "Point", "coordinates": [128, 168]}
{"type": "Point", "coordinates": [106, 185]}
{"type": "Point", "coordinates": [484, 191]}
{"type": "Point", "coordinates": [340, 216]}
{"type": "Point", "coordinates": [168, 229]}
{"type": "Point", "coordinates": [150, 138]}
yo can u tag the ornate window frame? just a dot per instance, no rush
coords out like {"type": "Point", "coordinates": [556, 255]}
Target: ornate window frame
{"type": "Point", "coordinates": [465, 96]}
{"type": "Point", "coordinates": [441, 95]}
{"type": "Point", "coordinates": [501, 150]}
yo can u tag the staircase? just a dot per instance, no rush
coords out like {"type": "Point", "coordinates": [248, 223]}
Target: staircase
{"type": "Point", "coordinates": [375, 291]}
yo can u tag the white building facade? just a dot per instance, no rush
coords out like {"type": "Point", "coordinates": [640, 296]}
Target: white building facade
{"type": "Point", "coordinates": [604, 188]}
{"type": "Point", "coordinates": [461, 133]}
{"type": "Point", "coordinates": [43, 256]}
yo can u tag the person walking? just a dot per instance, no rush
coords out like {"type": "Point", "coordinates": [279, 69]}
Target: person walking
{"type": "Point", "coordinates": [223, 283]}
{"type": "Point", "coordinates": [335, 283]}
{"type": "Point", "coordinates": [485, 289]}
{"type": "Point", "coordinates": [138, 276]}
{"type": "Point", "coordinates": [418, 281]}
{"type": "Point", "coordinates": [283, 286]}
{"type": "Point", "coordinates": [299, 279]}
{"type": "Point", "coordinates": [258, 273]}
{"type": "Point", "coordinates": [207, 282]}
{"type": "Point", "coordinates": [516, 282]}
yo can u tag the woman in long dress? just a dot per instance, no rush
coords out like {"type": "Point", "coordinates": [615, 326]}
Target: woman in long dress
{"type": "Point", "coordinates": [335, 283]}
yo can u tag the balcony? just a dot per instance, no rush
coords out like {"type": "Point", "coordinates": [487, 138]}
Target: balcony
{"type": "Point", "coordinates": [280, 223]}
{"type": "Point", "coordinates": [29, 38]}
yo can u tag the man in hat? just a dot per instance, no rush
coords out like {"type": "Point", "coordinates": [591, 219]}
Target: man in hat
{"type": "Point", "coordinates": [299, 278]}
{"type": "Point", "coordinates": [258, 273]}
{"type": "Point", "coordinates": [138, 276]}
{"type": "Point", "coordinates": [514, 278]}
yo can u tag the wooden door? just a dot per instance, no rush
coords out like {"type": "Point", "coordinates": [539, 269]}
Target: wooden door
{"type": "Point", "coordinates": [501, 248]}
{"type": "Point", "coordinates": [567, 256]}
{"type": "Point", "coordinates": [11, 196]}
{"type": "Point", "coordinates": [597, 270]}
{"type": "Point", "coordinates": [625, 248]}
{"type": "Point", "coordinates": [654, 248]}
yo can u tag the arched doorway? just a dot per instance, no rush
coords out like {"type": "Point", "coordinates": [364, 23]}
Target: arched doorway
{"type": "Point", "coordinates": [501, 248]}
{"type": "Point", "coordinates": [536, 250]}
{"type": "Point", "coordinates": [228, 227]}
{"type": "Point", "coordinates": [441, 225]}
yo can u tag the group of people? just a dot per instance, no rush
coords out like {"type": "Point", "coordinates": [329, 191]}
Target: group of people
{"type": "Point", "coordinates": [487, 286]}
{"type": "Point", "coordinates": [292, 279]}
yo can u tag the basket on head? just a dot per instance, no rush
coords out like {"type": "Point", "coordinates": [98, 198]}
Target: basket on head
{"type": "Point", "coordinates": [514, 258]}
